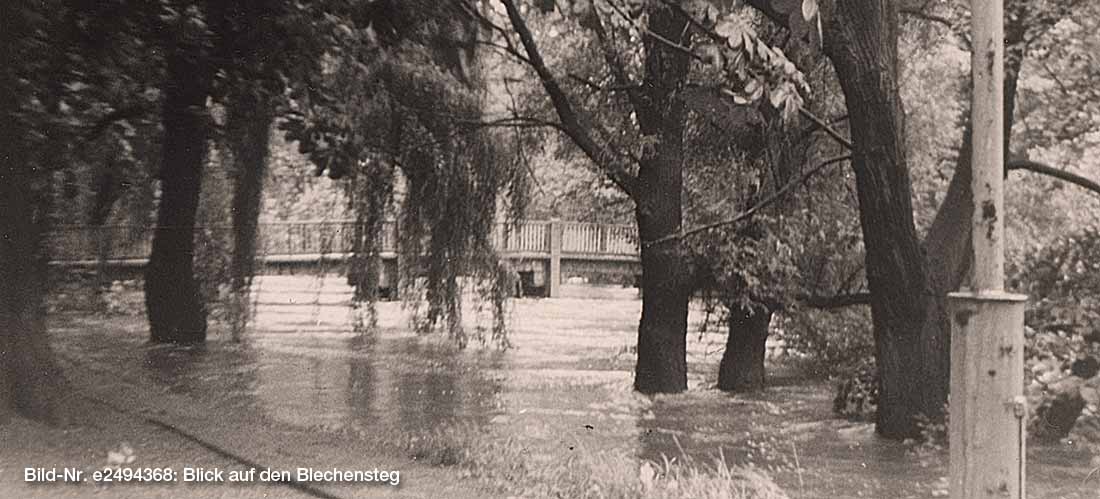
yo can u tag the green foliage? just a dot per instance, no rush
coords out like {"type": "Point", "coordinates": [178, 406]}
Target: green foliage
{"type": "Point", "coordinates": [833, 341]}
{"type": "Point", "coordinates": [1063, 281]}
{"type": "Point", "coordinates": [748, 70]}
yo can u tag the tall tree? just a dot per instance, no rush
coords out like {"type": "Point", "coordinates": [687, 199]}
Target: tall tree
{"type": "Point", "coordinates": [655, 188]}
{"type": "Point", "coordinates": [860, 39]}
{"type": "Point", "coordinates": [175, 309]}
{"type": "Point", "coordinates": [34, 136]}
{"type": "Point", "coordinates": [242, 55]}
{"type": "Point", "coordinates": [655, 117]}
{"type": "Point", "coordinates": [908, 281]}
{"type": "Point", "coordinates": [863, 49]}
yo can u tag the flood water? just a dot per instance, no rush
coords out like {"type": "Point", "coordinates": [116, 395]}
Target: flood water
{"type": "Point", "coordinates": [564, 387]}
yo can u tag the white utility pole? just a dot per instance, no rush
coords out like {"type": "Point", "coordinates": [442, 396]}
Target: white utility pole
{"type": "Point", "coordinates": [987, 411]}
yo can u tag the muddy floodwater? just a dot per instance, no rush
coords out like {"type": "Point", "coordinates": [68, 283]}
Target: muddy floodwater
{"type": "Point", "coordinates": [564, 388]}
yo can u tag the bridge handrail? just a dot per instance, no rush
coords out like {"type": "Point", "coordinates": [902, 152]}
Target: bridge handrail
{"type": "Point", "coordinates": [72, 242]}
{"type": "Point", "coordinates": [599, 239]}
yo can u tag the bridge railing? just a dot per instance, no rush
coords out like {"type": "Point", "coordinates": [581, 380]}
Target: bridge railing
{"type": "Point", "coordinates": [523, 237]}
{"type": "Point", "coordinates": [316, 237]}
{"type": "Point", "coordinates": [77, 243]}
{"type": "Point", "coordinates": [599, 239]}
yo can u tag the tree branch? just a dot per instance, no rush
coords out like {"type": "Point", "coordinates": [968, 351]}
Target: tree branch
{"type": "Point", "coordinates": [822, 125]}
{"type": "Point", "coordinates": [615, 64]}
{"type": "Point", "coordinates": [838, 301]}
{"type": "Point", "coordinates": [571, 123]}
{"type": "Point", "coordinates": [1045, 169]}
{"type": "Point", "coordinates": [922, 14]}
{"type": "Point", "coordinates": [744, 215]}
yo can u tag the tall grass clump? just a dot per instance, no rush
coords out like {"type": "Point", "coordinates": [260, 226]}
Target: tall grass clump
{"type": "Point", "coordinates": [510, 467]}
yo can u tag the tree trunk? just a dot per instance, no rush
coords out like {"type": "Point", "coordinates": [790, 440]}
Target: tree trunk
{"type": "Point", "coordinates": [662, 332]}
{"type": "Point", "coordinates": [33, 145]}
{"type": "Point", "coordinates": [249, 124]}
{"type": "Point", "coordinates": [656, 190]}
{"type": "Point", "coordinates": [30, 380]}
{"type": "Point", "coordinates": [742, 366]}
{"type": "Point", "coordinates": [172, 300]}
{"type": "Point", "coordinates": [863, 47]}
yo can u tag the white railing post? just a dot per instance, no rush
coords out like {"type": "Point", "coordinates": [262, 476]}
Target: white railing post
{"type": "Point", "coordinates": [553, 277]}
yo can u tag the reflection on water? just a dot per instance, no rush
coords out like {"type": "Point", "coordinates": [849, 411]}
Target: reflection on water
{"type": "Point", "coordinates": [565, 388]}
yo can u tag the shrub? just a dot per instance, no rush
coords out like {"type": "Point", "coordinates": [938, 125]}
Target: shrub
{"type": "Point", "coordinates": [1062, 280]}
{"type": "Point", "coordinates": [1062, 345]}
{"type": "Point", "coordinates": [857, 393]}
{"type": "Point", "coordinates": [835, 342]}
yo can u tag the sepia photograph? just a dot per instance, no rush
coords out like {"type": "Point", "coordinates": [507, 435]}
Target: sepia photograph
{"type": "Point", "coordinates": [605, 249]}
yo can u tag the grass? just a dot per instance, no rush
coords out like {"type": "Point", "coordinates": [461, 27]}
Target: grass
{"type": "Point", "coordinates": [606, 474]}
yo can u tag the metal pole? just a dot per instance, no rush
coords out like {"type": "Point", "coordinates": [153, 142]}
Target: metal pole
{"type": "Point", "coordinates": [988, 410]}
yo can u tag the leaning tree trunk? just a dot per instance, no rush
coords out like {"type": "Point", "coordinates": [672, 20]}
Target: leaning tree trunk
{"type": "Point", "coordinates": [175, 308]}
{"type": "Point", "coordinates": [662, 332]}
{"type": "Point", "coordinates": [742, 366]}
{"type": "Point", "coordinates": [249, 124]}
{"type": "Point", "coordinates": [863, 48]}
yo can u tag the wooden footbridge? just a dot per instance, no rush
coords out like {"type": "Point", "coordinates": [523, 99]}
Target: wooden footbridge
{"type": "Point", "coordinates": [544, 253]}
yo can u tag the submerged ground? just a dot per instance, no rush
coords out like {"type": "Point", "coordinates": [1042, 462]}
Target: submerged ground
{"type": "Point", "coordinates": [306, 391]}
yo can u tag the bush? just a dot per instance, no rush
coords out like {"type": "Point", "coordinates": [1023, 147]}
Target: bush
{"type": "Point", "coordinates": [1062, 348]}
{"type": "Point", "coordinates": [836, 342]}
{"type": "Point", "coordinates": [857, 393]}
{"type": "Point", "coordinates": [840, 344]}
{"type": "Point", "coordinates": [1062, 280]}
